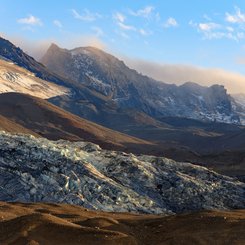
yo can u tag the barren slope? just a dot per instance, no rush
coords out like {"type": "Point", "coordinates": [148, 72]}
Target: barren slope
{"type": "Point", "coordinates": [48, 224]}
{"type": "Point", "coordinates": [10, 126]}
{"type": "Point", "coordinates": [54, 123]}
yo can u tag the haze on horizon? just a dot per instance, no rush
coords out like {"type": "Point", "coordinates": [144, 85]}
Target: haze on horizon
{"type": "Point", "coordinates": [167, 41]}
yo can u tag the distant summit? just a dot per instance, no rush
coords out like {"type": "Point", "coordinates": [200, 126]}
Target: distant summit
{"type": "Point", "coordinates": [110, 77]}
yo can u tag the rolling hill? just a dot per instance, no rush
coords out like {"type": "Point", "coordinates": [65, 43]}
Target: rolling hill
{"type": "Point", "coordinates": [49, 224]}
{"type": "Point", "coordinates": [52, 122]}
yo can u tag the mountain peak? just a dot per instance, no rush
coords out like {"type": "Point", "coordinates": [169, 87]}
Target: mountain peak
{"type": "Point", "coordinates": [191, 84]}
{"type": "Point", "coordinates": [196, 86]}
{"type": "Point", "coordinates": [2, 39]}
{"type": "Point", "coordinates": [53, 48]}
{"type": "Point", "coordinates": [91, 50]}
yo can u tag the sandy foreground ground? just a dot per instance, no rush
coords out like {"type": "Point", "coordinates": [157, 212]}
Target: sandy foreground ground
{"type": "Point", "coordinates": [46, 224]}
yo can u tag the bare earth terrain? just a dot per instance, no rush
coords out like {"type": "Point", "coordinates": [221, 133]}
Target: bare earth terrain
{"type": "Point", "coordinates": [46, 224]}
{"type": "Point", "coordinates": [31, 115]}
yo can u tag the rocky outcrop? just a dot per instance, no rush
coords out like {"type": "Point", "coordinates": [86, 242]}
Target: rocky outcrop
{"type": "Point", "coordinates": [39, 170]}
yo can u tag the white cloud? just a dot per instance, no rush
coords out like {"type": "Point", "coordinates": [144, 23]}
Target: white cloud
{"type": "Point", "coordinates": [30, 20]}
{"type": "Point", "coordinates": [157, 17]}
{"type": "Point", "coordinates": [211, 30]}
{"type": "Point", "coordinates": [123, 34]}
{"type": "Point", "coordinates": [179, 74]}
{"type": "Point", "coordinates": [143, 32]}
{"type": "Point", "coordinates": [225, 34]}
{"type": "Point", "coordinates": [209, 26]}
{"type": "Point", "coordinates": [98, 31]}
{"type": "Point", "coordinates": [120, 20]}
{"type": "Point", "coordinates": [86, 15]}
{"type": "Point", "coordinates": [57, 23]}
{"type": "Point", "coordinates": [170, 22]}
{"type": "Point", "coordinates": [220, 35]}
{"type": "Point", "coordinates": [126, 27]}
{"type": "Point", "coordinates": [238, 17]}
{"type": "Point", "coordinates": [145, 12]}
{"type": "Point", "coordinates": [230, 29]}
{"type": "Point", "coordinates": [119, 17]}
{"type": "Point", "coordinates": [206, 17]}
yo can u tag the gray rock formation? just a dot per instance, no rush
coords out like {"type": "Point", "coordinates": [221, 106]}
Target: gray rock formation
{"type": "Point", "coordinates": [39, 170]}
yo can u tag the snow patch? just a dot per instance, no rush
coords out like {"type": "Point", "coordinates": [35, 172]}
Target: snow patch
{"type": "Point", "coordinates": [16, 79]}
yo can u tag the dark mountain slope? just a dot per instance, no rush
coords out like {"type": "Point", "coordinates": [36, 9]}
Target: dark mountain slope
{"type": "Point", "coordinates": [54, 123]}
{"type": "Point", "coordinates": [10, 126]}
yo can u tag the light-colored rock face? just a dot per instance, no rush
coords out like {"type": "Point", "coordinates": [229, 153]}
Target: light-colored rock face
{"type": "Point", "coordinates": [38, 170]}
{"type": "Point", "coordinates": [16, 79]}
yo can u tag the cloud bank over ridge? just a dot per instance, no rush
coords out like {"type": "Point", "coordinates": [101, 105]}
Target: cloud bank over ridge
{"type": "Point", "coordinates": [169, 73]}
{"type": "Point", "coordinates": [179, 74]}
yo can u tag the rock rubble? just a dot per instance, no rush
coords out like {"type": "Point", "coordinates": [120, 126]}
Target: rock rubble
{"type": "Point", "coordinates": [38, 170]}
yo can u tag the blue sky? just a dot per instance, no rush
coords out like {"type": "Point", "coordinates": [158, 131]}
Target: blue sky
{"type": "Point", "coordinates": [204, 33]}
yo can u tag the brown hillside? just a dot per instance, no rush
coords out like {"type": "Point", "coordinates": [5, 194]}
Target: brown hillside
{"type": "Point", "coordinates": [48, 224]}
{"type": "Point", "coordinates": [54, 123]}
{"type": "Point", "coordinates": [9, 126]}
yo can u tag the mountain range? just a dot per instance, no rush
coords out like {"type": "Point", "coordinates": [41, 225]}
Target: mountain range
{"type": "Point", "coordinates": [105, 85]}
{"type": "Point", "coordinates": [128, 89]}
{"type": "Point", "coordinates": [153, 117]}
{"type": "Point", "coordinates": [81, 128]}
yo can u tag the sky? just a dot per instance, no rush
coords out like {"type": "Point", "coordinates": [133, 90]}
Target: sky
{"type": "Point", "coordinates": [191, 34]}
